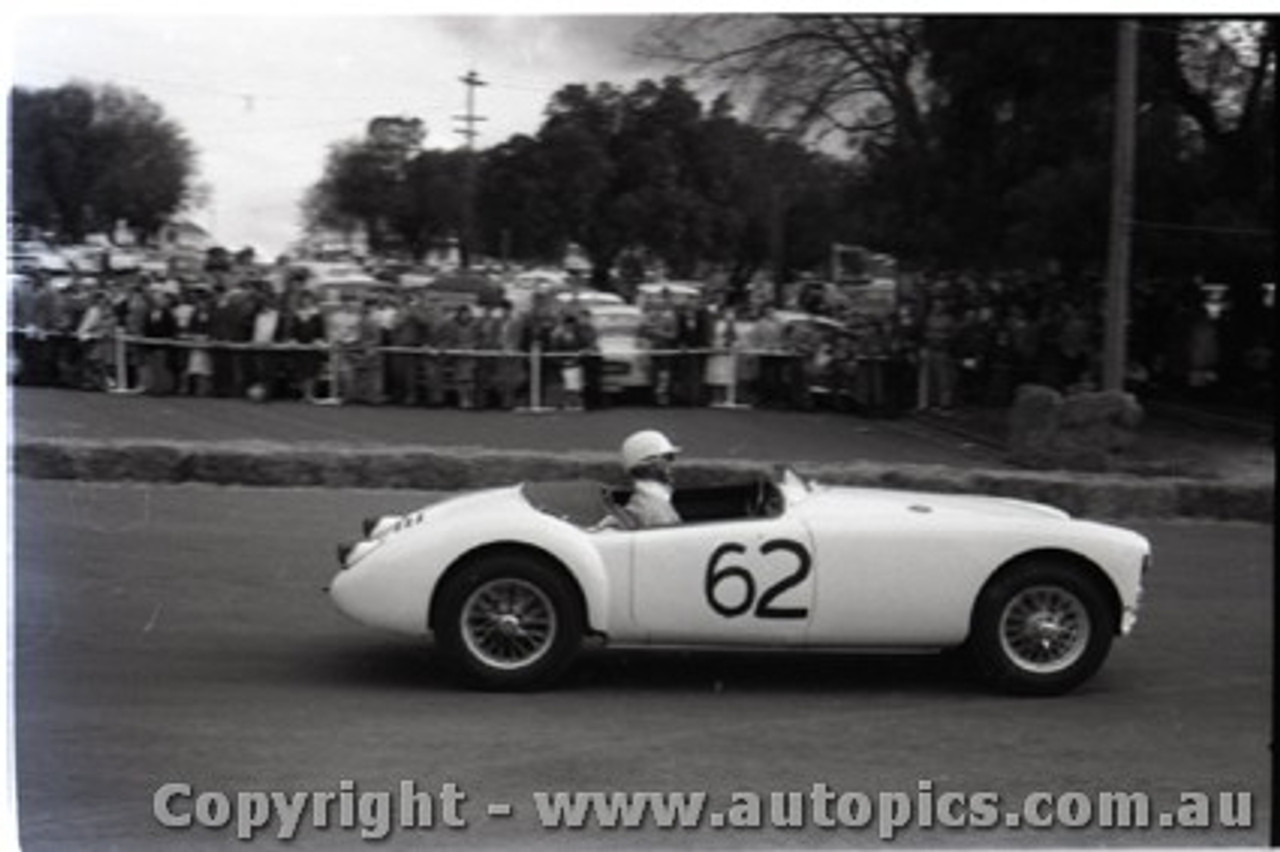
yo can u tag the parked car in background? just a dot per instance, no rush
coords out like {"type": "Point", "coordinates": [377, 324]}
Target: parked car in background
{"type": "Point", "coordinates": [448, 291]}
{"type": "Point", "coordinates": [121, 259]}
{"type": "Point", "coordinates": [333, 283]}
{"type": "Point", "coordinates": [87, 259]}
{"type": "Point", "coordinates": [522, 288]}
{"type": "Point", "coordinates": [38, 256]}
{"type": "Point", "coordinates": [588, 298]}
{"type": "Point", "coordinates": [681, 292]}
{"type": "Point", "coordinates": [625, 364]}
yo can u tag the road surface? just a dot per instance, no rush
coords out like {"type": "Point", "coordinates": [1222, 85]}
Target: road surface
{"type": "Point", "coordinates": [178, 635]}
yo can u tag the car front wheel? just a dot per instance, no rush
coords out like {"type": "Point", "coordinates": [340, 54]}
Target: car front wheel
{"type": "Point", "coordinates": [1042, 629]}
{"type": "Point", "coordinates": [509, 622]}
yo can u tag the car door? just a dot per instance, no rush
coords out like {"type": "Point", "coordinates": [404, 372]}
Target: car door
{"type": "Point", "coordinates": [748, 580]}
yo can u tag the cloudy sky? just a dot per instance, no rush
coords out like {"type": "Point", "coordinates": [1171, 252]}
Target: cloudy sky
{"type": "Point", "coordinates": [263, 92]}
{"type": "Point", "coordinates": [263, 97]}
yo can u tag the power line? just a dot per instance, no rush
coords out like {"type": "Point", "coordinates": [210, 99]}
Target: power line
{"type": "Point", "coordinates": [1207, 229]}
{"type": "Point", "coordinates": [286, 128]}
{"type": "Point", "coordinates": [259, 94]}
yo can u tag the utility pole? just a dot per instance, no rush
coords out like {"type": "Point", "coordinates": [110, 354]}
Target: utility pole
{"type": "Point", "coordinates": [1118, 251]}
{"type": "Point", "coordinates": [777, 240]}
{"type": "Point", "coordinates": [472, 81]}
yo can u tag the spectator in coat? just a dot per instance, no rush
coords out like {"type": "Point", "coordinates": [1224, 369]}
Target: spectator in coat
{"type": "Point", "coordinates": [462, 335]}
{"type": "Point", "coordinates": [66, 305]}
{"type": "Point", "coordinates": [593, 396]}
{"type": "Point", "coordinates": [367, 358]}
{"type": "Point", "coordinates": [25, 316]}
{"type": "Point", "coordinates": [803, 342]}
{"type": "Point", "coordinates": [566, 345]}
{"type": "Point", "coordinates": [691, 336]}
{"type": "Point", "coordinates": [158, 324]}
{"type": "Point", "coordinates": [405, 332]}
{"type": "Point", "coordinates": [766, 341]}
{"type": "Point", "coordinates": [342, 333]}
{"type": "Point", "coordinates": [96, 333]}
{"type": "Point", "coordinates": [721, 371]}
{"type": "Point", "coordinates": [431, 368]}
{"type": "Point", "coordinates": [231, 322]}
{"type": "Point", "coordinates": [305, 327]}
{"type": "Point", "coordinates": [658, 329]}
{"type": "Point", "coordinates": [937, 363]}
{"type": "Point", "coordinates": [264, 363]}
{"type": "Point", "coordinates": [1074, 345]}
{"type": "Point", "coordinates": [197, 375]}
{"type": "Point", "coordinates": [505, 371]}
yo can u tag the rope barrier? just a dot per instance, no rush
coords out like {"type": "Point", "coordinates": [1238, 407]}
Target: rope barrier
{"type": "Point", "coordinates": [295, 347]}
{"type": "Point", "coordinates": [536, 358]}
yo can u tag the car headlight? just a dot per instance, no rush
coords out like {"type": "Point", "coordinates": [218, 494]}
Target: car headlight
{"type": "Point", "coordinates": [351, 552]}
{"type": "Point", "coordinates": [379, 526]}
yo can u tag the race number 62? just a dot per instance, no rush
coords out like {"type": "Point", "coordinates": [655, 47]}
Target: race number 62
{"type": "Point", "coordinates": [731, 588]}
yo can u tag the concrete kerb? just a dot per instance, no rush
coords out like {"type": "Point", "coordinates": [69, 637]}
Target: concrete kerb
{"type": "Point", "coordinates": [428, 468]}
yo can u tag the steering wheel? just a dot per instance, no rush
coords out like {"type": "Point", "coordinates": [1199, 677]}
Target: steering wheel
{"type": "Point", "coordinates": [765, 501]}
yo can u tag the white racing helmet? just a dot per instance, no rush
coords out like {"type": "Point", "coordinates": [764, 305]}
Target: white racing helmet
{"type": "Point", "coordinates": [644, 446]}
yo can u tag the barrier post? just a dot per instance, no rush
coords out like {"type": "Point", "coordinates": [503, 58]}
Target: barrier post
{"type": "Point", "coordinates": [122, 364]}
{"type": "Point", "coordinates": [922, 382]}
{"type": "Point", "coordinates": [332, 397]}
{"type": "Point", "coordinates": [731, 398]}
{"type": "Point", "coordinates": [535, 405]}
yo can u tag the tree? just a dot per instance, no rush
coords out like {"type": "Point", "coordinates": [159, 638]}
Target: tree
{"type": "Point", "coordinates": [1021, 120]}
{"type": "Point", "coordinates": [857, 80]}
{"type": "Point", "coordinates": [858, 75]}
{"type": "Point", "coordinates": [985, 141]}
{"type": "Point", "coordinates": [649, 172]}
{"type": "Point", "coordinates": [728, 162]}
{"type": "Point", "coordinates": [434, 199]}
{"type": "Point", "coordinates": [1209, 197]}
{"type": "Point", "coordinates": [84, 158]}
{"type": "Point", "coordinates": [365, 180]}
{"type": "Point", "coordinates": [514, 201]}
{"type": "Point", "coordinates": [579, 163]}
{"type": "Point", "coordinates": [655, 191]}
{"type": "Point", "coordinates": [319, 213]}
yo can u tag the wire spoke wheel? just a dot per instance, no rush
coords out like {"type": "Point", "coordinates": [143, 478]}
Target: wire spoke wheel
{"type": "Point", "coordinates": [509, 620]}
{"type": "Point", "coordinates": [508, 623]}
{"type": "Point", "coordinates": [1045, 629]}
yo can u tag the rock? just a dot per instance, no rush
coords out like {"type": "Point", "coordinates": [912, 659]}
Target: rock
{"type": "Point", "coordinates": [1105, 421]}
{"type": "Point", "coordinates": [1033, 425]}
{"type": "Point", "coordinates": [1082, 431]}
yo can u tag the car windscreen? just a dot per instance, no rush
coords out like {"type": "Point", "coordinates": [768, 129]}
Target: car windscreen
{"type": "Point", "coordinates": [581, 502]}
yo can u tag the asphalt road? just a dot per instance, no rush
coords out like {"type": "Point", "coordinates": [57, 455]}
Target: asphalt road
{"type": "Point", "coordinates": [178, 634]}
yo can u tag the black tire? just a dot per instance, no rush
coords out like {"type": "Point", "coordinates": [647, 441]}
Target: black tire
{"type": "Point", "coordinates": [1040, 628]}
{"type": "Point", "coordinates": [509, 621]}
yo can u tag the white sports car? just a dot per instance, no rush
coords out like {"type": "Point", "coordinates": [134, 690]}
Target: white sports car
{"type": "Point", "coordinates": [511, 580]}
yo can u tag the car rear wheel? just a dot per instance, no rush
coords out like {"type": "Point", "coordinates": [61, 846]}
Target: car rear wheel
{"type": "Point", "coordinates": [509, 621]}
{"type": "Point", "coordinates": [1040, 629]}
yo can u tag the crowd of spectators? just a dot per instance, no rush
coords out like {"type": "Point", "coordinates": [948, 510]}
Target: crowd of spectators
{"type": "Point", "coordinates": [974, 339]}
{"type": "Point", "coordinates": [951, 340]}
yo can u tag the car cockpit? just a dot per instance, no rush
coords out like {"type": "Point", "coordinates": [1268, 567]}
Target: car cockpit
{"type": "Point", "coordinates": [594, 505]}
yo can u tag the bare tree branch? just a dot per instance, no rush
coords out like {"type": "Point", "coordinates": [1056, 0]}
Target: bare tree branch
{"type": "Point", "coordinates": [819, 71]}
